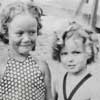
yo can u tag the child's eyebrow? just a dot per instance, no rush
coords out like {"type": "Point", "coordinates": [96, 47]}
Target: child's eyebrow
{"type": "Point", "coordinates": [64, 53]}
{"type": "Point", "coordinates": [76, 52]}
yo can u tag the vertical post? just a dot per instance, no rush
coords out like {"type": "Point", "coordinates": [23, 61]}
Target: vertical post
{"type": "Point", "coordinates": [94, 14]}
{"type": "Point", "coordinates": [81, 4]}
{"type": "Point", "coordinates": [79, 7]}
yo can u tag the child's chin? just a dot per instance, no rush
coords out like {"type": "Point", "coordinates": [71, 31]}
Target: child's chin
{"type": "Point", "coordinates": [75, 72]}
{"type": "Point", "coordinates": [25, 52]}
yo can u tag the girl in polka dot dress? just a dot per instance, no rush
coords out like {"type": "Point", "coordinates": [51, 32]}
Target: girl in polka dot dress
{"type": "Point", "coordinates": [22, 77]}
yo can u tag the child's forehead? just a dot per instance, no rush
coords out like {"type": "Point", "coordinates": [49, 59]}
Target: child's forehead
{"type": "Point", "coordinates": [23, 21]}
{"type": "Point", "coordinates": [74, 44]}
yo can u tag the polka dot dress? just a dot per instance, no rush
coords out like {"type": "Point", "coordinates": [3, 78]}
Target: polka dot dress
{"type": "Point", "coordinates": [22, 81]}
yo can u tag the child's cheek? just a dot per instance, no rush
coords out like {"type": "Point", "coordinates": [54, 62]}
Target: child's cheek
{"type": "Point", "coordinates": [82, 60]}
{"type": "Point", "coordinates": [64, 59]}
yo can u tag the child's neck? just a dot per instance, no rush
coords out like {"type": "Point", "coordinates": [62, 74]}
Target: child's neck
{"type": "Point", "coordinates": [15, 55]}
{"type": "Point", "coordinates": [80, 74]}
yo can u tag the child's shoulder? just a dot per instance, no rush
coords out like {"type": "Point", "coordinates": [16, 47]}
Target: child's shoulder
{"type": "Point", "coordinates": [94, 87]}
{"type": "Point", "coordinates": [43, 66]}
{"type": "Point", "coordinates": [3, 61]}
{"type": "Point", "coordinates": [93, 81]}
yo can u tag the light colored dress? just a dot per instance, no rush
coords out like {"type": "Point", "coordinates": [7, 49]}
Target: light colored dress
{"type": "Point", "coordinates": [61, 92]}
{"type": "Point", "coordinates": [22, 81]}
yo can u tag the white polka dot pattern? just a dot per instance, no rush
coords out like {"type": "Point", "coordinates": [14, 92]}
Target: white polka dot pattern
{"type": "Point", "coordinates": [22, 81]}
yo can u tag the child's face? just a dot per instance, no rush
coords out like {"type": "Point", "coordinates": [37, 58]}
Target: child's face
{"type": "Point", "coordinates": [74, 56]}
{"type": "Point", "coordinates": [22, 34]}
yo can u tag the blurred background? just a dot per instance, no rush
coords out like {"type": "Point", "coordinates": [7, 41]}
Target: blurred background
{"type": "Point", "coordinates": [86, 10]}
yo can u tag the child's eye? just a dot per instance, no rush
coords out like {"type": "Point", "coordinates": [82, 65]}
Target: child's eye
{"type": "Point", "coordinates": [64, 53]}
{"type": "Point", "coordinates": [31, 32]}
{"type": "Point", "coordinates": [76, 52]}
{"type": "Point", "coordinates": [19, 33]}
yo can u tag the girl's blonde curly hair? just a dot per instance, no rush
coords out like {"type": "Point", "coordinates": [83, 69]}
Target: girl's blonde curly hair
{"type": "Point", "coordinates": [77, 30]}
{"type": "Point", "coordinates": [9, 11]}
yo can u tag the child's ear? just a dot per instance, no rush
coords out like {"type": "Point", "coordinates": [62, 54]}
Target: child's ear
{"type": "Point", "coordinates": [89, 55]}
{"type": "Point", "coordinates": [88, 51]}
{"type": "Point", "coordinates": [6, 36]}
{"type": "Point", "coordinates": [5, 39]}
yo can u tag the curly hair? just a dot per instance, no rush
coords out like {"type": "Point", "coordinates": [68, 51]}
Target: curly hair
{"type": "Point", "coordinates": [75, 29]}
{"type": "Point", "coordinates": [9, 11]}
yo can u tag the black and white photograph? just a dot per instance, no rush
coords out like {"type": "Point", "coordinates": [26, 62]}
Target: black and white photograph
{"type": "Point", "coordinates": [49, 49]}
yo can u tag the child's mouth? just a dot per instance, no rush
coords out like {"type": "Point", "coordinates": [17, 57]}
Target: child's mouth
{"type": "Point", "coordinates": [71, 66]}
{"type": "Point", "coordinates": [26, 45]}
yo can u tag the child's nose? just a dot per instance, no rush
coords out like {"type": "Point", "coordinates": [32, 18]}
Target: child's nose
{"type": "Point", "coordinates": [26, 37]}
{"type": "Point", "coordinates": [70, 58]}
